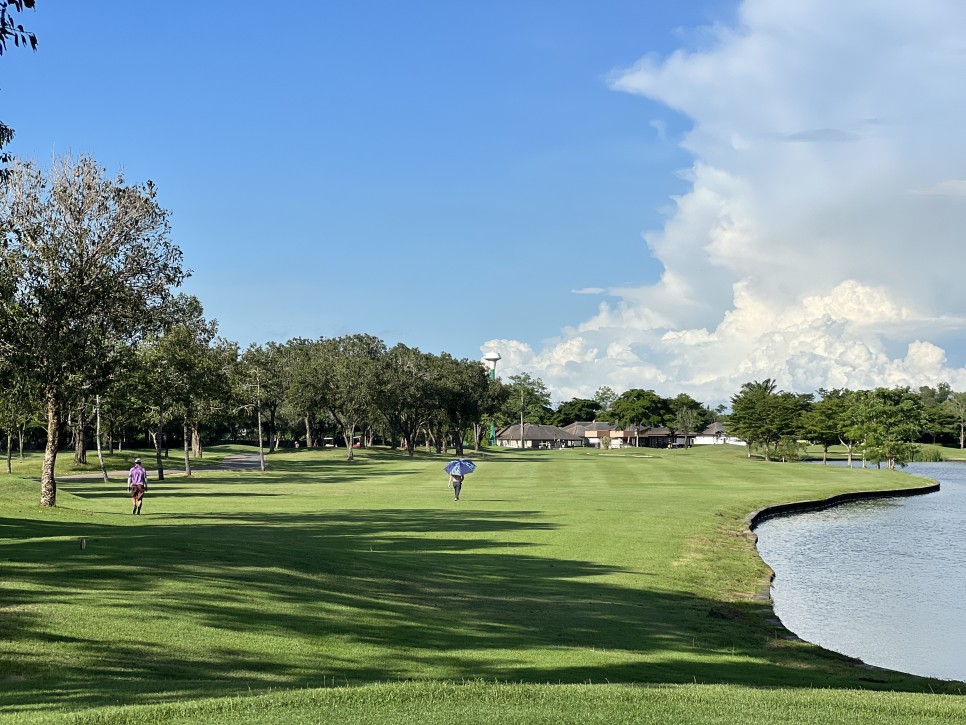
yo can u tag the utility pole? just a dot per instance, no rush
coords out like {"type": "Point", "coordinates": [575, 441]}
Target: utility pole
{"type": "Point", "coordinates": [492, 358]}
{"type": "Point", "coordinates": [258, 406]}
{"type": "Point", "coordinates": [523, 406]}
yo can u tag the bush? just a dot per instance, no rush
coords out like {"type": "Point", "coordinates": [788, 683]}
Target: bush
{"type": "Point", "coordinates": [928, 454]}
{"type": "Point", "coordinates": [789, 449]}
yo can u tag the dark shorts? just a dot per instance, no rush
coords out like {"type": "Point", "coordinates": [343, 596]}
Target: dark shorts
{"type": "Point", "coordinates": [137, 491]}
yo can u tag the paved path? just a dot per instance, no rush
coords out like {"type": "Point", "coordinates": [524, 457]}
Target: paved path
{"type": "Point", "coordinates": [239, 462]}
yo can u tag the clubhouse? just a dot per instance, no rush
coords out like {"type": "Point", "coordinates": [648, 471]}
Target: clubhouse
{"type": "Point", "coordinates": [600, 434]}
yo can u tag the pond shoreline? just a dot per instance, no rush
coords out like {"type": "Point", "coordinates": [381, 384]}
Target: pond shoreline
{"type": "Point", "coordinates": [795, 507]}
{"type": "Point", "coordinates": [790, 509]}
{"type": "Point", "coordinates": [787, 509]}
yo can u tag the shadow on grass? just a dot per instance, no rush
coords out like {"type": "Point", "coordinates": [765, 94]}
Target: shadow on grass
{"type": "Point", "coordinates": [257, 601]}
{"type": "Point", "coordinates": [306, 475]}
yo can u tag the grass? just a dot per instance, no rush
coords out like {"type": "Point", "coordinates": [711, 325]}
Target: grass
{"type": "Point", "coordinates": [30, 464]}
{"type": "Point", "coordinates": [361, 590]}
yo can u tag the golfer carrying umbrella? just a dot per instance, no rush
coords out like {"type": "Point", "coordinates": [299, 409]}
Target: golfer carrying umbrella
{"type": "Point", "coordinates": [456, 470]}
{"type": "Point", "coordinates": [137, 484]}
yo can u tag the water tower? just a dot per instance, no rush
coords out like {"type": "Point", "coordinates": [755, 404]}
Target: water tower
{"type": "Point", "coordinates": [492, 358]}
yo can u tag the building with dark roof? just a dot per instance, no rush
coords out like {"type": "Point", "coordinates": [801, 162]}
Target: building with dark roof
{"type": "Point", "coordinates": [536, 435]}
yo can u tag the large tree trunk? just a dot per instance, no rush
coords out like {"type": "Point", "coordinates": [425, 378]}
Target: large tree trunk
{"type": "Point", "coordinates": [187, 452]}
{"type": "Point", "coordinates": [9, 452]}
{"type": "Point", "coordinates": [48, 484]}
{"type": "Point", "coordinates": [848, 449]}
{"type": "Point", "coordinates": [80, 440]}
{"type": "Point", "coordinates": [308, 432]}
{"type": "Point", "coordinates": [349, 431]}
{"type": "Point", "coordinates": [196, 448]}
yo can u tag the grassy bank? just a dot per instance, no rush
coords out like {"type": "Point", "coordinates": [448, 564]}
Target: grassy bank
{"type": "Point", "coordinates": [567, 567]}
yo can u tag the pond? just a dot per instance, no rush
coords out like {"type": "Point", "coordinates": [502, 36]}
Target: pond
{"type": "Point", "coordinates": [881, 580]}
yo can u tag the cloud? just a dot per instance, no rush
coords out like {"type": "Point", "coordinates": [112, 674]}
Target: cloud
{"type": "Point", "coordinates": [819, 242]}
{"type": "Point", "coordinates": [951, 187]}
{"type": "Point", "coordinates": [821, 135]}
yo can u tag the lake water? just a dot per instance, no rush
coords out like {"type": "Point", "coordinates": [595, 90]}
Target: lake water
{"type": "Point", "coordinates": [883, 580]}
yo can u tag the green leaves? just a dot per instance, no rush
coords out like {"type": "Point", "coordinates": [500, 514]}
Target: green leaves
{"type": "Point", "coordinates": [93, 269]}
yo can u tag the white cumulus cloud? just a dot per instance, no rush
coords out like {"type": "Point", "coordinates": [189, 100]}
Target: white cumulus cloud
{"type": "Point", "coordinates": [821, 240]}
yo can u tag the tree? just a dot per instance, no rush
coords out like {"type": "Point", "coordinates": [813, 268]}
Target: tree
{"type": "Point", "coordinates": [687, 421]}
{"type": "Point", "coordinates": [639, 407]}
{"type": "Point", "coordinates": [687, 416]}
{"type": "Point", "coordinates": [957, 406]}
{"type": "Point", "coordinates": [527, 394]}
{"type": "Point", "coordinates": [605, 397]}
{"type": "Point", "coordinates": [248, 379]}
{"type": "Point", "coordinates": [825, 423]}
{"type": "Point", "coordinates": [463, 386]}
{"type": "Point", "coordinates": [527, 401]}
{"type": "Point", "coordinates": [350, 379]}
{"type": "Point", "coordinates": [86, 264]}
{"type": "Point", "coordinates": [764, 417]}
{"type": "Point", "coordinates": [10, 29]}
{"type": "Point", "coordinates": [18, 409]}
{"type": "Point", "coordinates": [406, 398]}
{"type": "Point", "coordinates": [195, 373]}
{"type": "Point", "coordinates": [575, 410]}
{"type": "Point", "coordinates": [936, 417]}
{"type": "Point", "coordinates": [271, 360]}
{"type": "Point", "coordinates": [303, 394]}
{"type": "Point", "coordinates": [494, 401]}
{"type": "Point", "coordinates": [890, 420]}
{"type": "Point", "coordinates": [152, 380]}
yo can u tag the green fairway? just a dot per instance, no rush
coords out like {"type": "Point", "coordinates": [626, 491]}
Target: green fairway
{"type": "Point", "coordinates": [568, 567]}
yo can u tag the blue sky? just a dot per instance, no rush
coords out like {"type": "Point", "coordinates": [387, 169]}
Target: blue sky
{"type": "Point", "coordinates": [663, 195]}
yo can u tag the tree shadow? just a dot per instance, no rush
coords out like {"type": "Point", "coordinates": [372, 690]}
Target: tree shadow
{"type": "Point", "coordinates": [251, 601]}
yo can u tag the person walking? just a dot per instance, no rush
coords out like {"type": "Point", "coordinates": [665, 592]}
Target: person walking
{"type": "Point", "coordinates": [137, 484]}
{"type": "Point", "coordinates": [456, 481]}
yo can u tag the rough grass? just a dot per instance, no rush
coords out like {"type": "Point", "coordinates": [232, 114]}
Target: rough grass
{"type": "Point", "coordinates": [569, 567]}
{"type": "Point", "coordinates": [443, 703]}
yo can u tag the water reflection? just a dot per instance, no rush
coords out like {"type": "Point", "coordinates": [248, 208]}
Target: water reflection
{"type": "Point", "coordinates": [879, 580]}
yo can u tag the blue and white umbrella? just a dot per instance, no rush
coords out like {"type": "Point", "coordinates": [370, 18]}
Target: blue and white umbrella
{"type": "Point", "coordinates": [460, 467]}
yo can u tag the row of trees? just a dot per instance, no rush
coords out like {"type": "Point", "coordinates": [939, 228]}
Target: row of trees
{"type": "Point", "coordinates": [634, 408]}
{"type": "Point", "coordinates": [95, 343]}
{"type": "Point", "coordinates": [882, 425]}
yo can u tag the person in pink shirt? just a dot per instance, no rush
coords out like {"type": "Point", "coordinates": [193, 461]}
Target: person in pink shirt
{"type": "Point", "coordinates": [137, 484]}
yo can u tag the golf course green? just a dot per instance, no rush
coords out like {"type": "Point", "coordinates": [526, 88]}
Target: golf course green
{"type": "Point", "coordinates": [564, 586]}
